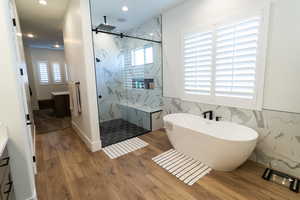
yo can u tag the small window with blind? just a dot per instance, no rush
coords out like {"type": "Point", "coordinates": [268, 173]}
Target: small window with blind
{"type": "Point", "coordinates": [56, 72]}
{"type": "Point", "coordinates": [134, 66]}
{"type": "Point", "coordinates": [66, 72]}
{"type": "Point", "coordinates": [221, 65]}
{"type": "Point", "coordinates": [43, 72]}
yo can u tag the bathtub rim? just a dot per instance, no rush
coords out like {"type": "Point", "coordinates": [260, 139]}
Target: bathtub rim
{"type": "Point", "coordinates": [210, 135]}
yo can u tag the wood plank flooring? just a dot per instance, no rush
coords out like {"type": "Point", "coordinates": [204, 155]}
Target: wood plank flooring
{"type": "Point", "coordinates": [67, 170]}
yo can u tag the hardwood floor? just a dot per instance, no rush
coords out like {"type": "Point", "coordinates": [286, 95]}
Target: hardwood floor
{"type": "Point", "coordinates": [67, 170]}
{"type": "Point", "coordinates": [46, 121]}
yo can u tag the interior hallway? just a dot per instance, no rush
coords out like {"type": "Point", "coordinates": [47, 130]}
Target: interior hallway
{"type": "Point", "coordinates": [67, 170]}
{"type": "Point", "coordinates": [45, 121]}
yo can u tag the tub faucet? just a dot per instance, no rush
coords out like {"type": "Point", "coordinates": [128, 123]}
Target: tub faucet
{"type": "Point", "coordinates": [218, 118]}
{"type": "Point", "coordinates": [210, 112]}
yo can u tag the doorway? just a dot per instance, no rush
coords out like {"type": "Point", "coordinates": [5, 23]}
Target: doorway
{"type": "Point", "coordinates": [48, 73]}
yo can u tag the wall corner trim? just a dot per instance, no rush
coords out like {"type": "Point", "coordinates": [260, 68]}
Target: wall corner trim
{"type": "Point", "coordinates": [92, 145]}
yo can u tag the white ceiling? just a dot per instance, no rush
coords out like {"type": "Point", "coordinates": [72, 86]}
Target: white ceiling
{"type": "Point", "coordinates": [45, 22]}
{"type": "Point", "coordinates": [139, 11]}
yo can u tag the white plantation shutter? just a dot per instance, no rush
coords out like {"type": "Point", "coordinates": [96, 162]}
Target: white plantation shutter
{"type": "Point", "coordinates": [57, 76]}
{"type": "Point", "coordinates": [198, 60]}
{"type": "Point", "coordinates": [134, 64]}
{"type": "Point", "coordinates": [236, 58]}
{"type": "Point", "coordinates": [225, 65]}
{"type": "Point", "coordinates": [132, 71]}
{"type": "Point", "coordinates": [148, 55]}
{"type": "Point", "coordinates": [43, 72]}
{"type": "Point", "coordinates": [138, 57]}
{"type": "Point", "coordinates": [66, 72]}
{"type": "Point", "coordinates": [127, 77]}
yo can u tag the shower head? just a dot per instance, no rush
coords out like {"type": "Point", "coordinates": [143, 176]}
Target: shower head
{"type": "Point", "coordinates": [105, 26]}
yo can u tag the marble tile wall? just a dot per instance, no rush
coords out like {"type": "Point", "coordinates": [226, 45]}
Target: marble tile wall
{"type": "Point", "coordinates": [111, 51]}
{"type": "Point", "coordinates": [135, 116]}
{"type": "Point", "coordinates": [149, 30]}
{"type": "Point", "coordinates": [147, 97]}
{"type": "Point", "coordinates": [108, 75]}
{"type": "Point", "coordinates": [279, 132]}
{"type": "Point", "coordinates": [157, 121]}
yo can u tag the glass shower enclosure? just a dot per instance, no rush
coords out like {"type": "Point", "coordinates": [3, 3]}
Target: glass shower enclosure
{"type": "Point", "coordinates": [129, 79]}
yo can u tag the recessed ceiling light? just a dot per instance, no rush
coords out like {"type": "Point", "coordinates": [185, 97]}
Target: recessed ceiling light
{"type": "Point", "coordinates": [30, 35]}
{"type": "Point", "coordinates": [56, 46]}
{"type": "Point", "coordinates": [125, 9]}
{"type": "Point", "coordinates": [43, 2]}
{"type": "Point", "coordinates": [19, 34]}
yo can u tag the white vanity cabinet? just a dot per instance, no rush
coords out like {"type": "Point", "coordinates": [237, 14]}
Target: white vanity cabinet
{"type": "Point", "coordinates": [6, 183]}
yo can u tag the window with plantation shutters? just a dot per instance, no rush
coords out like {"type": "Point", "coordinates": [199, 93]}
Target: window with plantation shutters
{"type": "Point", "coordinates": [134, 64]}
{"type": "Point", "coordinates": [225, 64]}
{"type": "Point", "coordinates": [236, 55]}
{"type": "Point", "coordinates": [43, 72]}
{"type": "Point", "coordinates": [56, 71]}
{"type": "Point", "coordinates": [198, 62]}
{"type": "Point", "coordinates": [133, 67]}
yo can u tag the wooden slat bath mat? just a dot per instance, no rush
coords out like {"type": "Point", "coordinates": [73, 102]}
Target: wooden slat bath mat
{"type": "Point", "coordinates": [125, 147]}
{"type": "Point", "coordinates": [183, 167]}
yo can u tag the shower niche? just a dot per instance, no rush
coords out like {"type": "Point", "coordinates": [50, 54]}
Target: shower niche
{"type": "Point", "coordinates": [143, 83]}
{"type": "Point", "coordinates": [129, 80]}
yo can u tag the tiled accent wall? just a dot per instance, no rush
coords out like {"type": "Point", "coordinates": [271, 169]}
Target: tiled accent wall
{"type": "Point", "coordinates": [108, 76]}
{"type": "Point", "coordinates": [135, 116]}
{"type": "Point", "coordinates": [149, 30]}
{"type": "Point", "coordinates": [109, 71]}
{"type": "Point", "coordinates": [279, 132]}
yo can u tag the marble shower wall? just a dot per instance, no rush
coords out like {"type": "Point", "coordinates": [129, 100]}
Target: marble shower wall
{"type": "Point", "coordinates": [149, 30]}
{"type": "Point", "coordinates": [146, 97]}
{"type": "Point", "coordinates": [110, 50]}
{"type": "Point", "coordinates": [135, 116]}
{"type": "Point", "coordinates": [109, 75]}
{"type": "Point", "coordinates": [279, 132]}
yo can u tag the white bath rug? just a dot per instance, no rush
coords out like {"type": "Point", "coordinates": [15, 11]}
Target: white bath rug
{"type": "Point", "coordinates": [183, 167]}
{"type": "Point", "coordinates": [125, 147]}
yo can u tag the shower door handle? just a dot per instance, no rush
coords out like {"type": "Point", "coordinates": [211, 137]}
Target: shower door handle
{"type": "Point", "coordinates": [99, 96]}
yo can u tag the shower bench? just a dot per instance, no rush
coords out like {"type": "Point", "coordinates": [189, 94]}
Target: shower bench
{"type": "Point", "coordinates": [143, 116]}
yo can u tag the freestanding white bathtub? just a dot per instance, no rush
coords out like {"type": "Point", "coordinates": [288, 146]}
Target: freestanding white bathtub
{"type": "Point", "coordinates": [221, 145]}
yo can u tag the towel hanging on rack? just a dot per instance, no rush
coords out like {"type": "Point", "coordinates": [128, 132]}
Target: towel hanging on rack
{"type": "Point", "coordinates": [75, 98]}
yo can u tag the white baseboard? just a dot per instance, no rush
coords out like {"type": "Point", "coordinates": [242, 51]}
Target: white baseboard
{"type": "Point", "coordinates": [92, 145]}
{"type": "Point", "coordinates": [34, 197]}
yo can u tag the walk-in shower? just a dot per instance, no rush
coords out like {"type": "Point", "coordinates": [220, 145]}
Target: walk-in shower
{"type": "Point", "coordinates": [129, 79]}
